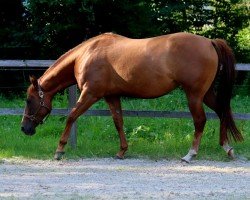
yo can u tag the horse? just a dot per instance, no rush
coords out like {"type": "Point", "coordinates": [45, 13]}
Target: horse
{"type": "Point", "coordinates": [110, 66]}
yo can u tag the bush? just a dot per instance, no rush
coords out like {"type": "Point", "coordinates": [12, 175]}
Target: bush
{"type": "Point", "coordinates": [243, 41]}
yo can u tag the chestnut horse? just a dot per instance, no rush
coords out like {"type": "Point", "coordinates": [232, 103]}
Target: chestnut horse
{"type": "Point", "coordinates": [110, 66]}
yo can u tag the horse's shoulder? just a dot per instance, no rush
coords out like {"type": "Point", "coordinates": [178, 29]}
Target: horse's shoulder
{"type": "Point", "coordinates": [104, 36]}
{"type": "Point", "coordinates": [103, 40]}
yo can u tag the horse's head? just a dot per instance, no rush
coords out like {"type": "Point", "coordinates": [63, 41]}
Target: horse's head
{"type": "Point", "coordinates": [38, 106]}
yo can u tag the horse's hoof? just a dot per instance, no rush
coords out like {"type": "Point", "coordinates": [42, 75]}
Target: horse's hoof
{"type": "Point", "coordinates": [119, 157]}
{"type": "Point", "coordinates": [185, 160]}
{"type": "Point", "coordinates": [59, 155]}
{"type": "Point", "coordinates": [191, 154]}
{"type": "Point", "coordinates": [231, 154]}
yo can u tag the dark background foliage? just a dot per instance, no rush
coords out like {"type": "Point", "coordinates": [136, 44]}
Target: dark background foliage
{"type": "Point", "coordinates": [44, 29]}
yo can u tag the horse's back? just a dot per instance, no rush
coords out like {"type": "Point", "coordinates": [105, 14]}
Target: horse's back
{"type": "Point", "coordinates": [161, 63]}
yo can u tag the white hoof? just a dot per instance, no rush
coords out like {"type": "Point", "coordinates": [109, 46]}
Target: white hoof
{"type": "Point", "coordinates": [192, 153]}
{"type": "Point", "coordinates": [186, 159]}
{"type": "Point", "coordinates": [230, 153]}
{"type": "Point", "coordinates": [229, 150]}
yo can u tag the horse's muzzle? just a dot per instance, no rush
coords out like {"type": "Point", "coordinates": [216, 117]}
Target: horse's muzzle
{"type": "Point", "coordinates": [28, 131]}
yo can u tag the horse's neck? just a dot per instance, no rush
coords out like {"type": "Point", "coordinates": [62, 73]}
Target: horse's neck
{"type": "Point", "coordinates": [60, 75]}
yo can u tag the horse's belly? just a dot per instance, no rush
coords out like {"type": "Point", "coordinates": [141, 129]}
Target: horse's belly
{"type": "Point", "coordinates": [143, 81]}
{"type": "Point", "coordinates": [149, 89]}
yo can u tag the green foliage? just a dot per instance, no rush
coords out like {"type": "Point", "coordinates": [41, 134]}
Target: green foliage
{"type": "Point", "coordinates": [156, 138]}
{"type": "Point", "coordinates": [50, 27]}
{"type": "Point", "coordinates": [45, 29]}
{"type": "Point", "coordinates": [56, 26]}
{"type": "Point", "coordinates": [11, 21]}
{"type": "Point", "coordinates": [176, 16]}
{"type": "Point", "coordinates": [229, 18]}
{"type": "Point", "coordinates": [130, 18]}
{"type": "Point", "coordinates": [243, 47]}
{"type": "Point", "coordinates": [244, 88]}
{"type": "Point", "coordinates": [52, 22]}
{"type": "Point", "coordinates": [210, 18]}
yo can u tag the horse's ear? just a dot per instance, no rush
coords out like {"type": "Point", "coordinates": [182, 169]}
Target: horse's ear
{"type": "Point", "coordinates": [34, 81]}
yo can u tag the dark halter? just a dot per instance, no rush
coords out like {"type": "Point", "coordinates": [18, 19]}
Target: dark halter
{"type": "Point", "coordinates": [33, 117]}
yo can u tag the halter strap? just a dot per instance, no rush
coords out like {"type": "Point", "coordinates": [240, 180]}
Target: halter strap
{"type": "Point", "coordinates": [41, 104]}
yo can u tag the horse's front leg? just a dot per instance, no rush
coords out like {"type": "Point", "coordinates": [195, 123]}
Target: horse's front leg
{"type": "Point", "coordinates": [116, 111]}
{"type": "Point", "coordinates": [84, 102]}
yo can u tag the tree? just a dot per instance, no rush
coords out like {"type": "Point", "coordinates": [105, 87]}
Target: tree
{"type": "Point", "coordinates": [210, 18]}
{"type": "Point", "coordinates": [185, 15]}
{"type": "Point", "coordinates": [51, 27]}
{"type": "Point", "coordinates": [57, 26]}
{"type": "Point", "coordinates": [126, 17]}
{"type": "Point", "coordinates": [12, 29]}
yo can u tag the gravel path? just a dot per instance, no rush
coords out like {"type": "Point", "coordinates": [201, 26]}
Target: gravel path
{"type": "Point", "coordinates": [123, 179]}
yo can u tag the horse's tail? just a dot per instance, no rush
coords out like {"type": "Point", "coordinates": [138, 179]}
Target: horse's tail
{"type": "Point", "coordinates": [226, 77]}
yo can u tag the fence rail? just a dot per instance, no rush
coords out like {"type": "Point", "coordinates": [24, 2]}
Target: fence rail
{"type": "Point", "coordinates": [22, 64]}
{"type": "Point", "coordinates": [128, 113]}
{"type": "Point", "coordinates": [43, 64]}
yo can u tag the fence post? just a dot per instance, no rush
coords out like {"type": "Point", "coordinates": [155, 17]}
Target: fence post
{"type": "Point", "coordinates": [72, 101]}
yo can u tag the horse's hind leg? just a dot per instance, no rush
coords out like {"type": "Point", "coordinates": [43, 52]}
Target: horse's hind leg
{"type": "Point", "coordinates": [84, 102]}
{"type": "Point", "coordinates": [116, 111]}
{"type": "Point", "coordinates": [210, 101]}
{"type": "Point", "coordinates": [199, 118]}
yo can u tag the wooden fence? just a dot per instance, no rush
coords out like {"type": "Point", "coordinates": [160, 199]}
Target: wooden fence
{"type": "Point", "coordinates": [6, 65]}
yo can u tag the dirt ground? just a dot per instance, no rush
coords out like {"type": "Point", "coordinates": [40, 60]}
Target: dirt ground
{"type": "Point", "coordinates": [123, 179]}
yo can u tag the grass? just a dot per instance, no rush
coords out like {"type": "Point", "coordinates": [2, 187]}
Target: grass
{"type": "Point", "coordinates": [154, 138]}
